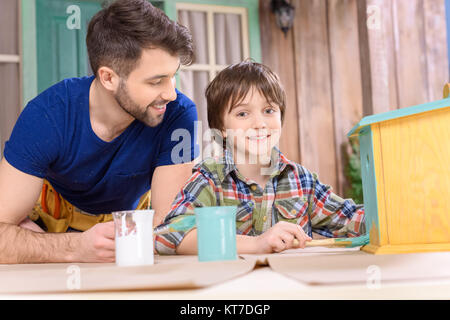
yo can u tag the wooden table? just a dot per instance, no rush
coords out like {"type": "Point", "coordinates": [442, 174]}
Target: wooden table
{"type": "Point", "coordinates": [264, 283]}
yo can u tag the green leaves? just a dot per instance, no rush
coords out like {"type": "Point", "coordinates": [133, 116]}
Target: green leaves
{"type": "Point", "coordinates": [353, 173]}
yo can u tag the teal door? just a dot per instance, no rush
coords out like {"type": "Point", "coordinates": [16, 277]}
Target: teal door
{"type": "Point", "coordinates": [61, 27]}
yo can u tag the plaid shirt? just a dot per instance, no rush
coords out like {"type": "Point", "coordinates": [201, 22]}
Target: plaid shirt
{"type": "Point", "coordinates": [292, 194]}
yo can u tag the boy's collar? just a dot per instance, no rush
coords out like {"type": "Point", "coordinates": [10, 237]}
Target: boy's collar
{"type": "Point", "coordinates": [277, 158]}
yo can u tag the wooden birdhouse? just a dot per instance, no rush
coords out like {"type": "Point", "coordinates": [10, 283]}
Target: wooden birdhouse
{"type": "Point", "coordinates": [405, 168]}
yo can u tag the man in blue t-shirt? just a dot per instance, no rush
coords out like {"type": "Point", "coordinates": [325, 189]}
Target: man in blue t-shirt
{"type": "Point", "coordinates": [101, 142]}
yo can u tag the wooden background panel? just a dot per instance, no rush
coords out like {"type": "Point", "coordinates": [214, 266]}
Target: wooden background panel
{"type": "Point", "coordinates": [339, 65]}
{"type": "Point", "coordinates": [378, 61]}
{"type": "Point", "coordinates": [364, 56]}
{"type": "Point", "coordinates": [436, 47]}
{"type": "Point", "coordinates": [317, 143]}
{"type": "Point", "coordinates": [278, 53]}
{"type": "Point", "coordinates": [345, 78]}
{"type": "Point", "coordinates": [410, 52]}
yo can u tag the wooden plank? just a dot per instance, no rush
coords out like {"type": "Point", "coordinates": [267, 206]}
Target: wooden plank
{"type": "Point", "coordinates": [436, 47]}
{"type": "Point", "coordinates": [346, 86]}
{"type": "Point", "coordinates": [377, 56]}
{"type": "Point", "coordinates": [364, 55]}
{"type": "Point", "coordinates": [410, 52]}
{"type": "Point", "coordinates": [278, 54]}
{"type": "Point", "coordinates": [317, 142]}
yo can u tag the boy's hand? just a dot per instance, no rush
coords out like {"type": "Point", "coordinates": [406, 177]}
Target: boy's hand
{"type": "Point", "coordinates": [281, 237]}
{"type": "Point", "coordinates": [97, 244]}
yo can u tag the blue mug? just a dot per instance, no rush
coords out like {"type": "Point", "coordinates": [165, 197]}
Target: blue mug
{"type": "Point", "coordinates": [216, 233]}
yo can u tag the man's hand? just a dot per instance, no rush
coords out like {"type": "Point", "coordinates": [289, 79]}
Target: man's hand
{"type": "Point", "coordinates": [281, 237]}
{"type": "Point", "coordinates": [97, 244]}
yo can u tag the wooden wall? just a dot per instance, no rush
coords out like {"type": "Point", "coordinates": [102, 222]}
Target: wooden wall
{"type": "Point", "coordinates": [345, 59]}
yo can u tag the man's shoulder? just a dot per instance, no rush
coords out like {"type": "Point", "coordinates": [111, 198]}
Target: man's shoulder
{"type": "Point", "coordinates": [64, 92]}
{"type": "Point", "coordinates": [183, 100]}
{"type": "Point", "coordinates": [181, 104]}
{"type": "Point", "coordinates": [181, 113]}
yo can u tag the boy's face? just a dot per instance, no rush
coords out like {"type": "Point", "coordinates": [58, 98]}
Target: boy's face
{"type": "Point", "coordinates": [149, 87]}
{"type": "Point", "coordinates": [254, 125]}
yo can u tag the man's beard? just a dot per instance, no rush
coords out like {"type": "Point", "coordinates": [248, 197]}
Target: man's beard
{"type": "Point", "coordinates": [129, 106]}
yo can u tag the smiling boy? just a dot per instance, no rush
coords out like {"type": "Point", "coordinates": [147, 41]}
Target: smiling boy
{"type": "Point", "coordinates": [277, 200]}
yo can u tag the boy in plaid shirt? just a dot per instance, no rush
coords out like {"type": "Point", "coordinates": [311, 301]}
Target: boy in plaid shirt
{"type": "Point", "coordinates": [277, 200]}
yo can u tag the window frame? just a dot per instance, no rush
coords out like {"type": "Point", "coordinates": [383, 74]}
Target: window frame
{"type": "Point", "coordinates": [212, 67]}
{"type": "Point", "coordinates": [252, 6]}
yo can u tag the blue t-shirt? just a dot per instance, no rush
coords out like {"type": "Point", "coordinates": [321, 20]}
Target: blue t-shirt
{"type": "Point", "coordinates": [53, 139]}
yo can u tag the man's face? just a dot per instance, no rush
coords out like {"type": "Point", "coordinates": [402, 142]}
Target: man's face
{"type": "Point", "coordinates": [149, 87]}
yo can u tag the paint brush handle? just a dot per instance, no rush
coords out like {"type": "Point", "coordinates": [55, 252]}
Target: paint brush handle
{"type": "Point", "coordinates": [316, 243]}
{"type": "Point", "coordinates": [320, 243]}
{"type": "Point", "coordinates": [178, 224]}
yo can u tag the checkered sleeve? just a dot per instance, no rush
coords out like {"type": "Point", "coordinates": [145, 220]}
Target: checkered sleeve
{"type": "Point", "coordinates": [197, 192]}
{"type": "Point", "coordinates": [331, 215]}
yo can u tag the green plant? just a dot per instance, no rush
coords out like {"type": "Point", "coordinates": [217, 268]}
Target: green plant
{"type": "Point", "coordinates": [353, 173]}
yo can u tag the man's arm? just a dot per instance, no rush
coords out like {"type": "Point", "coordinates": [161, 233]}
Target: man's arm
{"type": "Point", "coordinates": [167, 181]}
{"type": "Point", "coordinates": [18, 194]}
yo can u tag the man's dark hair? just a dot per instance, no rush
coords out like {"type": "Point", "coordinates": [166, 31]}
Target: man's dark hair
{"type": "Point", "coordinates": [118, 33]}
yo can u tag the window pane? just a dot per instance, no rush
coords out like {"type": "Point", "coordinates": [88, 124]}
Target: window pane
{"type": "Point", "coordinates": [193, 84]}
{"type": "Point", "coordinates": [196, 22]}
{"type": "Point", "coordinates": [228, 38]}
{"type": "Point", "coordinates": [9, 27]}
{"type": "Point", "coordinates": [9, 102]}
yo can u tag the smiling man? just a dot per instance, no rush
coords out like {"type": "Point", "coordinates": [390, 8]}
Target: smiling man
{"type": "Point", "coordinates": [88, 146]}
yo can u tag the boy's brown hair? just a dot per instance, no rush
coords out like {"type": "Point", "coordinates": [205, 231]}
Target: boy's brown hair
{"type": "Point", "coordinates": [117, 34]}
{"type": "Point", "coordinates": [232, 84]}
